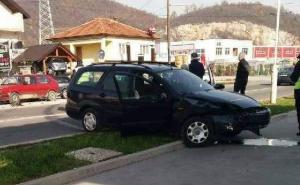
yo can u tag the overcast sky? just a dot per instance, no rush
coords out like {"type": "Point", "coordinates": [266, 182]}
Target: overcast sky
{"type": "Point", "coordinates": [158, 7]}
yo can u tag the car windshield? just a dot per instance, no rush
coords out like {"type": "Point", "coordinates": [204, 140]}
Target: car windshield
{"type": "Point", "coordinates": [184, 82]}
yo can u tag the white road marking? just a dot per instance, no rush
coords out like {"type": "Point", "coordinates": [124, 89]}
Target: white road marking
{"type": "Point", "coordinates": [33, 117]}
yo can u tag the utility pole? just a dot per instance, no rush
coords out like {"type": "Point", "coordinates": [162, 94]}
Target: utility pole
{"type": "Point", "coordinates": [275, 70]}
{"type": "Point", "coordinates": [168, 31]}
{"type": "Point", "coordinates": [46, 28]}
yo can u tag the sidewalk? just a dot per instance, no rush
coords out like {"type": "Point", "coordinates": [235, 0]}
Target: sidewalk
{"type": "Point", "coordinates": [222, 164]}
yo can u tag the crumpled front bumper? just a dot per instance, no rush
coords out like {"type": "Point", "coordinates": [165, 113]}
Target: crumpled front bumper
{"type": "Point", "coordinates": [252, 119]}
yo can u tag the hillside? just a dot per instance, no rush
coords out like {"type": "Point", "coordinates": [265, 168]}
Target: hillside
{"type": "Point", "coordinates": [235, 20]}
{"type": "Point", "coordinates": [69, 13]}
{"type": "Point", "coordinates": [261, 35]}
{"type": "Point", "coordinates": [256, 13]}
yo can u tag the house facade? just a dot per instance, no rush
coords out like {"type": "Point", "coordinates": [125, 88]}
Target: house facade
{"type": "Point", "coordinates": [107, 40]}
{"type": "Point", "coordinates": [214, 50]}
{"type": "Point", "coordinates": [11, 29]}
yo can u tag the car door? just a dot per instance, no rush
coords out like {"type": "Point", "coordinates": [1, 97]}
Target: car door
{"type": "Point", "coordinates": [109, 99]}
{"type": "Point", "coordinates": [42, 86]}
{"type": "Point", "coordinates": [144, 101]}
{"type": "Point", "coordinates": [27, 88]}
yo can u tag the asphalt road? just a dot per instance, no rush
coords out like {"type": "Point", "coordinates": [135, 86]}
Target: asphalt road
{"type": "Point", "coordinates": [262, 90]}
{"type": "Point", "coordinates": [221, 164]}
{"type": "Point", "coordinates": [36, 121]}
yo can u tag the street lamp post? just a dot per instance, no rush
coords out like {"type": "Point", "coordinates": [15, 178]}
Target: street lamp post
{"type": "Point", "coordinates": [168, 31]}
{"type": "Point", "coordinates": [275, 71]}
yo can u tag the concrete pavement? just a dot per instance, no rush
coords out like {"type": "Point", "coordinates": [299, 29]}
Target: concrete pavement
{"type": "Point", "coordinates": [222, 164]}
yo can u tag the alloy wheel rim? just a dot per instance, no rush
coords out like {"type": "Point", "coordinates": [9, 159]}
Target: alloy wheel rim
{"type": "Point", "coordinates": [197, 132]}
{"type": "Point", "coordinates": [90, 121]}
{"type": "Point", "coordinates": [52, 96]}
{"type": "Point", "coordinates": [65, 93]}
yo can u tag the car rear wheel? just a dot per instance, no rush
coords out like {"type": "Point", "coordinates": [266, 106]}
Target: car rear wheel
{"type": "Point", "coordinates": [64, 94]}
{"type": "Point", "coordinates": [90, 120]}
{"type": "Point", "coordinates": [14, 99]}
{"type": "Point", "coordinates": [51, 96]}
{"type": "Point", "coordinates": [197, 132]}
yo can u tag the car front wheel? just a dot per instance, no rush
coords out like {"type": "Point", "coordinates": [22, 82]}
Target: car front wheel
{"type": "Point", "coordinates": [90, 120]}
{"type": "Point", "coordinates": [64, 94]}
{"type": "Point", "coordinates": [197, 132]}
{"type": "Point", "coordinates": [14, 99]}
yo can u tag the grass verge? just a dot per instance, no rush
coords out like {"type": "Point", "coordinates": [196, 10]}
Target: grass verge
{"type": "Point", "coordinates": [283, 105]}
{"type": "Point", "coordinates": [26, 163]}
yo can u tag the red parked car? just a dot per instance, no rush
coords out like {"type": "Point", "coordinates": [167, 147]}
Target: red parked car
{"type": "Point", "coordinates": [13, 89]}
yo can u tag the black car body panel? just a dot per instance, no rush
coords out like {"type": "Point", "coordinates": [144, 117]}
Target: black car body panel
{"type": "Point", "coordinates": [169, 107]}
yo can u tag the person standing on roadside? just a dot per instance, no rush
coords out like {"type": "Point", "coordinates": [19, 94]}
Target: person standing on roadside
{"type": "Point", "coordinates": [295, 78]}
{"type": "Point", "coordinates": [242, 74]}
{"type": "Point", "coordinates": [196, 66]}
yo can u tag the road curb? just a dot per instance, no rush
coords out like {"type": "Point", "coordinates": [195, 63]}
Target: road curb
{"type": "Point", "coordinates": [94, 169]}
{"type": "Point", "coordinates": [278, 116]}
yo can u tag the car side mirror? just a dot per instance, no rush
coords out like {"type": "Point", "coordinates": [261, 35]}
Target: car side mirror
{"type": "Point", "coordinates": [219, 86]}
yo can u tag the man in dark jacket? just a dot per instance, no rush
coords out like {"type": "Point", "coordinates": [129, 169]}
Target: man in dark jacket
{"type": "Point", "coordinates": [295, 78]}
{"type": "Point", "coordinates": [242, 74]}
{"type": "Point", "coordinates": [196, 66]}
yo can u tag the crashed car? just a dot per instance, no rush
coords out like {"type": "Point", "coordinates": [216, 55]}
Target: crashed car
{"type": "Point", "coordinates": [156, 95]}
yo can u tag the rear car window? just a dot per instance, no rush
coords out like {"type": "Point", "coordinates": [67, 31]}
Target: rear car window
{"type": "Point", "coordinates": [89, 78]}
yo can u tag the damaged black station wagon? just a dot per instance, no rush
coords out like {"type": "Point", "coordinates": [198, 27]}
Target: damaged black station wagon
{"type": "Point", "coordinates": [154, 95]}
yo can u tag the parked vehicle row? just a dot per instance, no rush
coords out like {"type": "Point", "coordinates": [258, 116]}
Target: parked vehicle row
{"type": "Point", "coordinates": [14, 89]}
{"type": "Point", "coordinates": [126, 96]}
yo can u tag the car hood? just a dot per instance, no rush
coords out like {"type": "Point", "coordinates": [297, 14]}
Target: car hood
{"type": "Point", "coordinates": [218, 96]}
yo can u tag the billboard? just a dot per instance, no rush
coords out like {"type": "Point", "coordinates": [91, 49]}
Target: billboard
{"type": "Point", "coordinates": [4, 57]}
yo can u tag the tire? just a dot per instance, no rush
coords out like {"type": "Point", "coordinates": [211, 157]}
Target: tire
{"type": "Point", "coordinates": [64, 94]}
{"type": "Point", "coordinates": [14, 99]}
{"type": "Point", "coordinates": [90, 120]}
{"type": "Point", "coordinates": [232, 133]}
{"type": "Point", "coordinates": [197, 132]}
{"type": "Point", "coordinates": [51, 96]}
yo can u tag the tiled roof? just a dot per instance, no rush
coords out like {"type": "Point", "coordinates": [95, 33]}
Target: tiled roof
{"type": "Point", "coordinates": [102, 27]}
{"type": "Point", "coordinates": [14, 7]}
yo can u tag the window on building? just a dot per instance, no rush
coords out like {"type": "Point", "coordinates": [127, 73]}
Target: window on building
{"type": "Point", "coordinates": [227, 51]}
{"type": "Point", "coordinates": [260, 52]}
{"type": "Point", "coordinates": [122, 48]}
{"type": "Point", "coordinates": [89, 78]}
{"type": "Point", "coordinates": [289, 51]}
{"type": "Point", "coordinates": [144, 49]}
{"type": "Point", "coordinates": [245, 50]}
{"type": "Point", "coordinates": [297, 51]}
{"type": "Point", "coordinates": [219, 44]}
{"type": "Point", "coordinates": [218, 51]}
{"type": "Point", "coordinates": [235, 51]}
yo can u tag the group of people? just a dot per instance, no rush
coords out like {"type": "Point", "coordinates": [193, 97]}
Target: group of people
{"type": "Point", "coordinates": [197, 68]}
